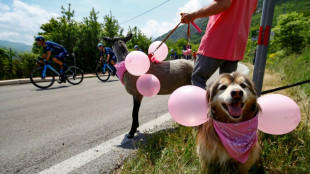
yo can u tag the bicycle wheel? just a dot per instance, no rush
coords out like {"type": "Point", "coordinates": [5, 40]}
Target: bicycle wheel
{"type": "Point", "coordinates": [103, 76]}
{"type": "Point", "coordinates": [42, 82]}
{"type": "Point", "coordinates": [74, 75]}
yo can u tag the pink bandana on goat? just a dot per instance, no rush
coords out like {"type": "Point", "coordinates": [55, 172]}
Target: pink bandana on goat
{"type": "Point", "coordinates": [238, 138]}
{"type": "Point", "coordinates": [120, 70]}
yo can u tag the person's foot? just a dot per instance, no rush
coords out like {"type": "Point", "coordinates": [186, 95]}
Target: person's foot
{"type": "Point", "coordinates": [63, 79]}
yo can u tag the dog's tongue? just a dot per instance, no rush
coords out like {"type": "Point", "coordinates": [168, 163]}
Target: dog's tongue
{"type": "Point", "coordinates": [235, 109]}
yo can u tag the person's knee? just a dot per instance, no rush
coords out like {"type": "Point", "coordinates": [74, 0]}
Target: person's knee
{"type": "Point", "coordinates": [57, 61]}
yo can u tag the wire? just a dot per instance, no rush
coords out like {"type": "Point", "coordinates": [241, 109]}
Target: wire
{"type": "Point", "coordinates": [145, 12]}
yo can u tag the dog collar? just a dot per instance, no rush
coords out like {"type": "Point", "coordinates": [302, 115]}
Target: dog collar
{"type": "Point", "coordinates": [238, 138]}
{"type": "Point", "coordinates": [120, 70]}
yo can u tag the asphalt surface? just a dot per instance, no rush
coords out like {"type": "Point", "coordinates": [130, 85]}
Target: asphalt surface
{"type": "Point", "coordinates": [40, 128]}
{"type": "Point", "coordinates": [54, 130]}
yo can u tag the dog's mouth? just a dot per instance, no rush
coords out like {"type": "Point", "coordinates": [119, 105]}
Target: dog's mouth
{"type": "Point", "coordinates": [235, 109]}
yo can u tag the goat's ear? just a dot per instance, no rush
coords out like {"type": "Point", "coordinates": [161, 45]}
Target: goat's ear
{"type": "Point", "coordinates": [107, 39]}
{"type": "Point", "coordinates": [128, 37]}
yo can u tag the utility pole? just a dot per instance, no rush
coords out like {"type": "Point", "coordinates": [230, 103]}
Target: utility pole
{"type": "Point", "coordinates": [262, 44]}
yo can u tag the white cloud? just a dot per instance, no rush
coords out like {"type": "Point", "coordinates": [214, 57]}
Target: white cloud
{"type": "Point", "coordinates": [191, 6]}
{"type": "Point", "coordinates": [154, 28]}
{"type": "Point", "coordinates": [22, 22]}
{"type": "Point", "coordinates": [4, 7]}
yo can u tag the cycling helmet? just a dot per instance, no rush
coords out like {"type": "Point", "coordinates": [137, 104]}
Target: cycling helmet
{"type": "Point", "coordinates": [172, 50]}
{"type": "Point", "coordinates": [100, 45]}
{"type": "Point", "coordinates": [39, 38]}
{"type": "Point", "coordinates": [136, 47]}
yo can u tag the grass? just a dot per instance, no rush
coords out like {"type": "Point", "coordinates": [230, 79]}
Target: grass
{"type": "Point", "coordinates": [173, 150]}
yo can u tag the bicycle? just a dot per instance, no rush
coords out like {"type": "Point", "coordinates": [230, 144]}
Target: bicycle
{"type": "Point", "coordinates": [104, 71]}
{"type": "Point", "coordinates": [44, 75]}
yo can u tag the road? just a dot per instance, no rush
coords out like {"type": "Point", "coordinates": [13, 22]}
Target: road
{"type": "Point", "coordinates": [40, 129]}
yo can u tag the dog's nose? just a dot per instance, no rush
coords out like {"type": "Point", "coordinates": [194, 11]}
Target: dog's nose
{"type": "Point", "coordinates": [236, 93]}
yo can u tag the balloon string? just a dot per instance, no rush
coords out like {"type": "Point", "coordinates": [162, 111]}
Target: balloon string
{"type": "Point", "coordinates": [152, 53]}
{"type": "Point", "coordinates": [168, 35]}
{"type": "Point", "coordinates": [188, 36]}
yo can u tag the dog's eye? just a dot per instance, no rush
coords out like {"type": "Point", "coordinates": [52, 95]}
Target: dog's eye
{"type": "Point", "coordinates": [243, 85]}
{"type": "Point", "coordinates": [223, 87]}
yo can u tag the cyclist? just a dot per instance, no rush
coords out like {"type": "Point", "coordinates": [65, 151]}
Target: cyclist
{"type": "Point", "coordinates": [173, 55]}
{"type": "Point", "coordinates": [136, 47]}
{"type": "Point", "coordinates": [111, 58]}
{"type": "Point", "coordinates": [60, 52]}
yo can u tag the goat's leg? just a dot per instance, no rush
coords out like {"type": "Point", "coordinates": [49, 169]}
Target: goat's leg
{"type": "Point", "coordinates": [135, 116]}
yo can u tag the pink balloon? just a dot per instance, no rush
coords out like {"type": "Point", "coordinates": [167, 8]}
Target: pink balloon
{"type": "Point", "coordinates": [188, 105]}
{"type": "Point", "coordinates": [187, 52]}
{"type": "Point", "coordinates": [137, 63]}
{"type": "Point", "coordinates": [159, 54]}
{"type": "Point", "coordinates": [148, 85]}
{"type": "Point", "coordinates": [280, 114]}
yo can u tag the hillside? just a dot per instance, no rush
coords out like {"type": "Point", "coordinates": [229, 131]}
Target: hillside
{"type": "Point", "coordinates": [181, 32]}
{"type": "Point", "coordinates": [15, 46]}
{"type": "Point", "coordinates": [282, 7]}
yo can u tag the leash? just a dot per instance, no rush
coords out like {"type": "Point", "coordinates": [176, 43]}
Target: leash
{"type": "Point", "coordinates": [168, 36]}
{"type": "Point", "coordinates": [284, 87]}
{"type": "Point", "coordinates": [165, 39]}
{"type": "Point", "coordinates": [188, 36]}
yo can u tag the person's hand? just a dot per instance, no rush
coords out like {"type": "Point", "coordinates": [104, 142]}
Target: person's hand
{"type": "Point", "coordinates": [187, 18]}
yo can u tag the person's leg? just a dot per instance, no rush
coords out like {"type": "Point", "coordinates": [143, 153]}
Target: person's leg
{"type": "Point", "coordinates": [112, 62]}
{"type": "Point", "coordinates": [56, 60]}
{"type": "Point", "coordinates": [60, 59]}
{"type": "Point", "coordinates": [203, 70]}
{"type": "Point", "coordinates": [228, 66]}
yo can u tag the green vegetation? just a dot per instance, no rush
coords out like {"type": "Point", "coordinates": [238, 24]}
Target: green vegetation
{"type": "Point", "coordinates": [288, 61]}
{"type": "Point", "coordinates": [79, 38]}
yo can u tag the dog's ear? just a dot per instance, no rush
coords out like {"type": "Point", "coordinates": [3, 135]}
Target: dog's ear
{"type": "Point", "coordinates": [209, 95]}
{"type": "Point", "coordinates": [251, 86]}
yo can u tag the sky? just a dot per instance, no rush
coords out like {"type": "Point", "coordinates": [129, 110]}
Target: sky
{"type": "Point", "coordinates": [20, 20]}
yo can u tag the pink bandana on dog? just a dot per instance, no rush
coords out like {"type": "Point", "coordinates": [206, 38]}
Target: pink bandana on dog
{"type": "Point", "coordinates": [238, 138]}
{"type": "Point", "coordinates": [120, 70]}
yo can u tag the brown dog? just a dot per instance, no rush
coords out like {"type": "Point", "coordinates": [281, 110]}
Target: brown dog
{"type": "Point", "coordinates": [221, 148]}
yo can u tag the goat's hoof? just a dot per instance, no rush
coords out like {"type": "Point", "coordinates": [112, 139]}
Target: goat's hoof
{"type": "Point", "coordinates": [130, 136]}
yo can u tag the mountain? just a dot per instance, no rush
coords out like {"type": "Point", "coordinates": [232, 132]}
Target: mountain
{"type": "Point", "coordinates": [15, 46]}
{"type": "Point", "coordinates": [181, 32]}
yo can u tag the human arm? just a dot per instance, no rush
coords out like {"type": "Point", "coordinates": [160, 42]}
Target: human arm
{"type": "Point", "coordinates": [47, 55]}
{"type": "Point", "coordinates": [108, 58]}
{"type": "Point", "coordinates": [217, 6]}
{"type": "Point", "coordinates": [101, 57]}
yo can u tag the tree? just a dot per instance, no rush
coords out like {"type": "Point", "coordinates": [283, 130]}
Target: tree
{"type": "Point", "coordinates": [138, 38]}
{"type": "Point", "coordinates": [111, 27]}
{"type": "Point", "coordinates": [291, 32]}
{"type": "Point", "coordinates": [86, 48]}
{"type": "Point", "coordinates": [4, 64]}
{"type": "Point", "coordinates": [63, 30]}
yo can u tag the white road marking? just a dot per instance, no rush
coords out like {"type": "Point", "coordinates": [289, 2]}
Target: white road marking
{"type": "Point", "coordinates": [93, 153]}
